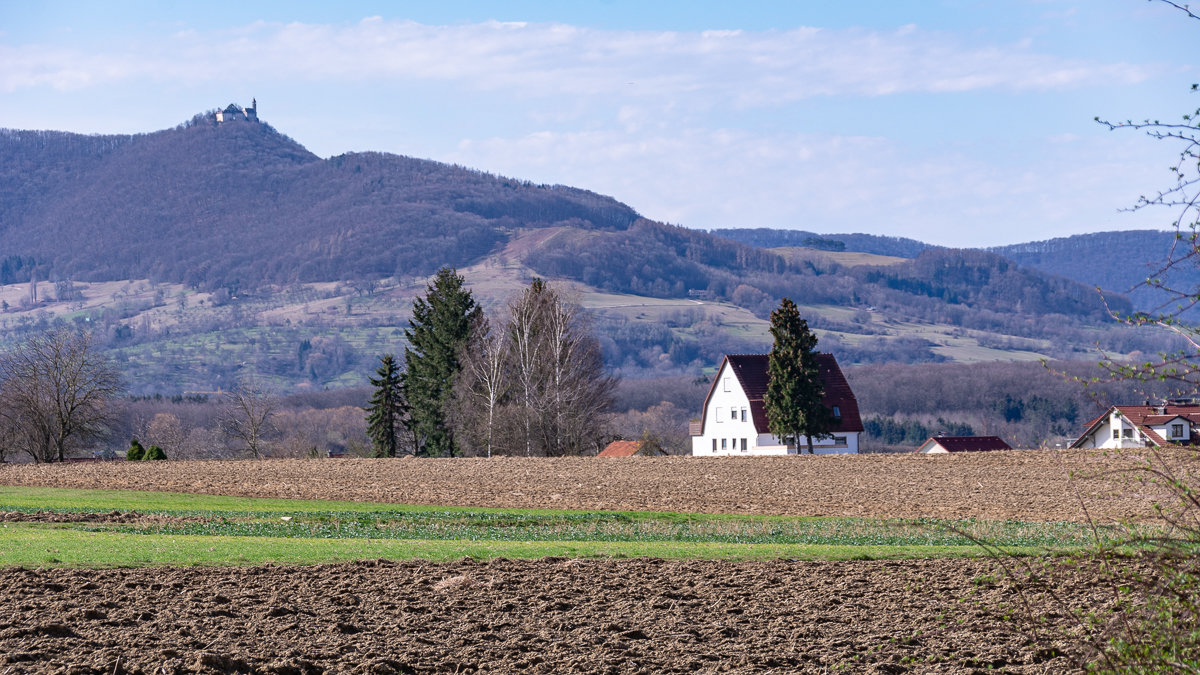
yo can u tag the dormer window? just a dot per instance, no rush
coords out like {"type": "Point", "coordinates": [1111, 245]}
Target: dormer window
{"type": "Point", "coordinates": [1176, 431]}
{"type": "Point", "coordinates": [837, 412]}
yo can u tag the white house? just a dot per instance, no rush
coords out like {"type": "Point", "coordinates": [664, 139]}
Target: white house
{"type": "Point", "coordinates": [938, 445]}
{"type": "Point", "coordinates": [734, 419]}
{"type": "Point", "coordinates": [1137, 426]}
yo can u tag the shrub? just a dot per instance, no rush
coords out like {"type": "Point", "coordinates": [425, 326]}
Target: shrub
{"type": "Point", "coordinates": [136, 451]}
{"type": "Point", "coordinates": [1151, 623]}
{"type": "Point", "coordinates": [154, 452]}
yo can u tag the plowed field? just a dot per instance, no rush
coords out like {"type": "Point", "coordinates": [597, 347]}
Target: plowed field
{"type": "Point", "coordinates": [543, 616]}
{"type": "Point", "coordinates": [1019, 485]}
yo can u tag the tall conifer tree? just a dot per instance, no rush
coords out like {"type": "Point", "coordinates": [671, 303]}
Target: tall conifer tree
{"type": "Point", "coordinates": [386, 412]}
{"type": "Point", "coordinates": [795, 395]}
{"type": "Point", "coordinates": [440, 327]}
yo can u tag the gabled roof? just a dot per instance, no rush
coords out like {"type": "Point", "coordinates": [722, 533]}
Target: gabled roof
{"type": "Point", "coordinates": [1143, 416]}
{"type": "Point", "coordinates": [752, 375]}
{"type": "Point", "coordinates": [967, 443]}
{"type": "Point", "coordinates": [621, 449]}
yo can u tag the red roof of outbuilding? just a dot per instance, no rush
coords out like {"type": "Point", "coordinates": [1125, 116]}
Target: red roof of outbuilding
{"type": "Point", "coordinates": [752, 375]}
{"type": "Point", "coordinates": [969, 443]}
{"type": "Point", "coordinates": [621, 449]}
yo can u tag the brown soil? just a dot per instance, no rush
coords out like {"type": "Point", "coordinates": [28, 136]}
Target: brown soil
{"type": "Point", "coordinates": [123, 517]}
{"type": "Point", "coordinates": [1025, 485]}
{"type": "Point", "coordinates": [550, 615]}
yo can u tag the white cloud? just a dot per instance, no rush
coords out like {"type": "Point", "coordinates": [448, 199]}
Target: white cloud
{"type": "Point", "coordinates": [726, 178]}
{"type": "Point", "coordinates": [748, 68]}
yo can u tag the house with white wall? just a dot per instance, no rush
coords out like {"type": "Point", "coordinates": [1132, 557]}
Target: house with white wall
{"type": "Point", "coordinates": [940, 445]}
{"type": "Point", "coordinates": [1138, 426]}
{"type": "Point", "coordinates": [734, 418]}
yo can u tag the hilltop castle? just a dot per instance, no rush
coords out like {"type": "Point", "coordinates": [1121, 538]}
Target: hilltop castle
{"type": "Point", "coordinates": [236, 112]}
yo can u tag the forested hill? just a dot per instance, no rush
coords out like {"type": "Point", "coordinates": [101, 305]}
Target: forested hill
{"type": "Point", "coordinates": [220, 205]}
{"type": "Point", "coordinates": [1118, 262]}
{"type": "Point", "coordinates": [238, 205]}
{"type": "Point", "coordinates": [1114, 261]}
{"type": "Point", "coordinates": [764, 237]}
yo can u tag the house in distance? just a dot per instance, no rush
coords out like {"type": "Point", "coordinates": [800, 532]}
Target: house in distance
{"type": "Point", "coordinates": [733, 420]}
{"type": "Point", "coordinates": [937, 445]}
{"type": "Point", "coordinates": [1175, 422]}
{"type": "Point", "coordinates": [630, 449]}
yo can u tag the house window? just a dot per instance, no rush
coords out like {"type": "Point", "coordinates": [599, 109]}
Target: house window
{"type": "Point", "coordinates": [1116, 433]}
{"type": "Point", "coordinates": [1129, 433]}
{"type": "Point", "coordinates": [714, 446]}
{"type": "Point", "coordinates": [733, 414]}
{"type": "Point", "coordinates": [743, 414]}
{"type": "Point", "coordinates": [743, 445]}
{"type": "Point", "coordinates": [837, 412]}
{"type": "Point", "coordinates": [1176, 431]}
{"type": "Point", "coordinates": [719, 412]}
{"type": "Point", "coordinates": [725, 383]}
{"type": "Point", "coordinates": [840, 440]}
{"type": "Point", "coordinates": [723, 441]}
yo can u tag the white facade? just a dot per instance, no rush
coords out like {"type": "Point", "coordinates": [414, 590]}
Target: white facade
{"type": "Point", "coordinates": [1116, 431]}
{"type": "Point", "coordinates": [729, 429]}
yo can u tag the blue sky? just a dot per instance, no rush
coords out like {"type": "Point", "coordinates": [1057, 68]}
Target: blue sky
{"type": "Point", "coordinates": [963, 123]}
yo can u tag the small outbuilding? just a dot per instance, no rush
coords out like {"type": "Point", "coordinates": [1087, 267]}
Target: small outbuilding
{"type": "Point", "coordinates": [629, 449]}
{"type": "Point", "coordinates": [944, 444]}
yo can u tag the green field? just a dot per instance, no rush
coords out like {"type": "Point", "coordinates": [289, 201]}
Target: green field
{"type": "Point", "coordinates": [185, 529]}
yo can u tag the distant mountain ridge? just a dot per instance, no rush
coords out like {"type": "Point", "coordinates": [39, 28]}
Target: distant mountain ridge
{"type": "Point", "coordinates": [226, 201]}
{"type": "Point", "coordinates": [212, 205]}
{"type": "Point", "coordinates": [763, 237]}
{"type": "Point", "coordinates": [1118, 262]}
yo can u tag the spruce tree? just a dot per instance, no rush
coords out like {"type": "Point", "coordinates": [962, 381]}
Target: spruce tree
{"type": "Point", "coordinates": [440, 327]}
{"type": "Point", "coordinates": [795, 395]}
{"type": "Point", "coordinates": [387, 408]}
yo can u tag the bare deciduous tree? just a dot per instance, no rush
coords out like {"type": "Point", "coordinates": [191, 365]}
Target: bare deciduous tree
{"type": "Point", "coordinates": [525, 345]}
{"type": "Point", "coordinates": [55, 394]}
{"type": "Point", "coordinates": [537, 386]}
{"type": "Point", "coordinates": [483, 385]}
{"type": "Point", "coordinates": [248, 413]}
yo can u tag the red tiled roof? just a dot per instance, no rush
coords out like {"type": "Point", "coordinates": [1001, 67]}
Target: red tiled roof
{"type": "Point", "coordinates": [969, 443]}
{"type": "Point", "coordinates": [752, 375]}
{"type": "Point", "coordinates": [1142, 416]}
{"type": "Point", "coordinates": [621, 449]}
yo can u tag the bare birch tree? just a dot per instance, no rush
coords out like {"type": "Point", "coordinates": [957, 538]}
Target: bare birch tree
{"type": "Point", "coordinates": [577, 390]}
{"type": "Point", "coordinates": [247, 414]}
{"type": "Point", "coordinates": [55, 394]}
{"type": "Point", "coordinates": [526, 346]}
{"type": "Point", "coordinates": [559, 373]}
{"type": "Point", "coordinates": [483, 385]}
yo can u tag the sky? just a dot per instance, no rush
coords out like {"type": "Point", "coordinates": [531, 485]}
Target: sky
{"type": "Point", "coordinates": [956, 122]}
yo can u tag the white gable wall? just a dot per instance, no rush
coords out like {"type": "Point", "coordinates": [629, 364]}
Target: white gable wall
{"type": "Point", "coordinates": [727, 420]}
{"type": "Point", "coordinates": [1115, 432]}
{"type": "Point", "coordinates": [932, 447]}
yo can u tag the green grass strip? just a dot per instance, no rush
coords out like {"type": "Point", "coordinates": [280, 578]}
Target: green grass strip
{"type": "Point", "coordinates": [23, 545]}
